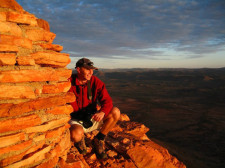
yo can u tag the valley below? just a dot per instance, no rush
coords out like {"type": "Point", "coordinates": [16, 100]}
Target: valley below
{"type": "Point", "coordinates": [184, 109]}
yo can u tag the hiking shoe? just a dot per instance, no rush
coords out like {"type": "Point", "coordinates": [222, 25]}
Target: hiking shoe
{"type": "Point", "coordinates": [81, 146]}
{"type": "Point", "coordinates": [99, 147]}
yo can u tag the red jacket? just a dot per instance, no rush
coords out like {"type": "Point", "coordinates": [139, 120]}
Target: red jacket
{"type": "Point", "coordinates": [99, 93]}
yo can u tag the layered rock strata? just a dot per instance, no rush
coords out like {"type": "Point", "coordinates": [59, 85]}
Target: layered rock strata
{"type": "Point", "coordinates": [34, 110]}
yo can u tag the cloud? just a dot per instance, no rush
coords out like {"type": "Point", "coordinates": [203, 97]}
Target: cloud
{"type": "Point", "coordinates": [133, 28]}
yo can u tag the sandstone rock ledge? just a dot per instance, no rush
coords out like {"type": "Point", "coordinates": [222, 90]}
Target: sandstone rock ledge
{"type": "Point", "coordinates": [127, 146]}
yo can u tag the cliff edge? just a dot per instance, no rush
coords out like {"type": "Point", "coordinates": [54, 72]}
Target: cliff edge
{"type": "Point", "coordinates": [127, 146]}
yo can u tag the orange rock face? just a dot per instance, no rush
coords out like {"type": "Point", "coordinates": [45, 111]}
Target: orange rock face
{"type": "Point", "coordinates": [2, 16]}
{"type": "Point", "coordinates": [40, 35]}
{"type": "Point", "coordinates": [66, 73]}
{"type": "Point", "coordinates": [56, 132]}
{"type": "Point", "coordinates": [37, 104]}
{"type": "Point", "coordinates": [28, 75]}
{"type": "Point", "coordinates": [7, 59]}
{"type": "Point", "coordinates": [11, 139]}
{"type": "Point", "coordinates": [15, 92]}
{"type": "Point", "coordinates": [16, 147]}
{"type": "Point", "coordinates": [8, 48]}
{"type": "Point", "coordinates": [17, 41]}
{"type": "Point", "coordinates": [125, 149]}
{"type": "Point", "coordinates": [54, 47]}
{"type": "Point", "coordinates": [48, 126]}
{"type": "Point", "coordinates": [149, 154]}
{"type": "Point", "coordinates": [34, 109]}
{"type": "Point", "coordinates": [37, 156]}
{"type": "Point", "coordinates": [77, 164]}
{"type": "Point", "coordinates": [43, 24]}
{"type": "Point", "coordinates": [67, 109]}
{"type": "Point", "coordinates": [57, 88]}
{"type": "Point", "coordinates": [49, 163]}
{"type": "Point", "coordinates": [22, 18]}
{"type": "Point", "coordinates": [11, 4]}
{"type": "Point", "coordinates": [19, 123]}
{"type": "Point", "coordinates": [32, 75]}
{"type": "Point", "coordinates": [25, 60]}
{"type": "Point", "coordinates": [10, 28]}
{"type": "Point", "coordinates": [53, 59]}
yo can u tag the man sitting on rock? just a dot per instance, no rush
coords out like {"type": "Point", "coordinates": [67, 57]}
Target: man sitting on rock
{"type": "Point", "coordinates": [90, 91]}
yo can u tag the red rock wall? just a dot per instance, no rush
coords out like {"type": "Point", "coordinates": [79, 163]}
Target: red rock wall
{"type": "Point", "coordinates": [34, 110]}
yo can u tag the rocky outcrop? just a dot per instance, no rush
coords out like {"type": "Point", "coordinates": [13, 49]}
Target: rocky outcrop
{"type": "Point", "coordinates": [35, 110]}
{"type": "Point", "coordinates": [127, 146]}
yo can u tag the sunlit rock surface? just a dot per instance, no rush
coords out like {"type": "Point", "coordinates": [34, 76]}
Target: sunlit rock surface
{"type": "Point", "coordinates": [126, 146]}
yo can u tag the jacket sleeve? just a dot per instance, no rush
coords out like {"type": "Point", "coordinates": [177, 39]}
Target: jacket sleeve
{"type": "Point", "coordinates": [104, 98]}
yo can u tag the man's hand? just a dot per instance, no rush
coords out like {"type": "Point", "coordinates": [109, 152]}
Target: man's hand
{"type": "Point", "coordinates": [98, 116]}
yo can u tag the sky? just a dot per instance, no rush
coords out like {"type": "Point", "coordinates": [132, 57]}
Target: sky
{"type": "Point", "coordinates": [137, 33]}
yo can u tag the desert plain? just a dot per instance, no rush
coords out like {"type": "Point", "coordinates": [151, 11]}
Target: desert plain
{"type": "Point", "coordinates": [184, 109]}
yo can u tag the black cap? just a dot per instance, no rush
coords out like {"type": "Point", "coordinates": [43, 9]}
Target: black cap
{"type": "Point", "coordinates": [86, 63]}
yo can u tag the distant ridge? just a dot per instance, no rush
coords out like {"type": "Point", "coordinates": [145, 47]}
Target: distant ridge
{"type": "Point", "coordinates": [156, 69]}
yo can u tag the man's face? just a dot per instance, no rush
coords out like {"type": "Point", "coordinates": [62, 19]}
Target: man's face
{"type": "Point", "coordinates": [84, 73]}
